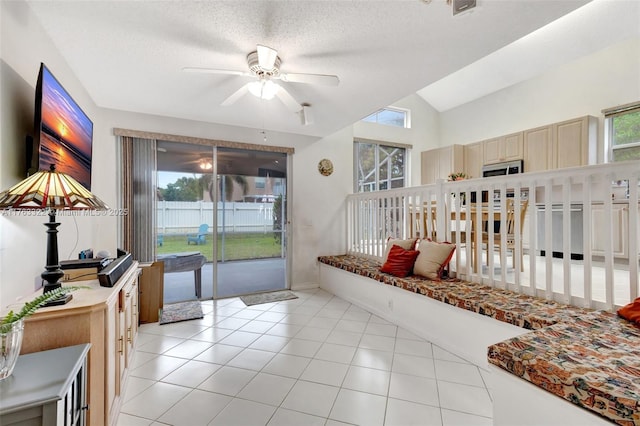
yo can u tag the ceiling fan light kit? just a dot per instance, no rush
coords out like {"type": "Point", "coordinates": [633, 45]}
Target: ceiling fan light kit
{"type": "Point", "coordinates": [264, 64]}
{"type": "Point", "coordinates": [263, 89]}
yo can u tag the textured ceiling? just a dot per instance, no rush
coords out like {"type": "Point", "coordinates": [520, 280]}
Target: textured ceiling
{"type": "Point", "coordinates": [129, 54]}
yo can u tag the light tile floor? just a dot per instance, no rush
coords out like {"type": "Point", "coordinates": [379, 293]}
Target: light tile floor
{"type": "Point", "coordinates": [315, 360]}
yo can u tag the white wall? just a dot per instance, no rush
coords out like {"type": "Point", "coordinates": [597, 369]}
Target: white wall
{"type": "Point", "coordinates": [585, 86]}
{"type": "Point", "coordinates": [22, 239]}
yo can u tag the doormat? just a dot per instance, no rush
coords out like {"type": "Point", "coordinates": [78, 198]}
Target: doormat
{"type": "Point", "coordinates": [274, 296]}
{"type": "Point", "coordinates": [182, 311]}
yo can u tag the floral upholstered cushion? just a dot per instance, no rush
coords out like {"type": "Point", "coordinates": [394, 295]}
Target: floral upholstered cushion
{"type": "Point", "coordinates": [517, 309]}
{"type": "Point", "coordinates": [592, 361]}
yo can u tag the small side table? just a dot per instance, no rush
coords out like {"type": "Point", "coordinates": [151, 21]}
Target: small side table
{"type": "Point", "coordinates": [182, 262]}
{"type": "Point", "coordinates": [46, 388]}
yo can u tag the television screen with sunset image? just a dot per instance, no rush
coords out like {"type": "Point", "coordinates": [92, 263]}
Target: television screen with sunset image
{"type": "Point", "coordinates": [64, 132]}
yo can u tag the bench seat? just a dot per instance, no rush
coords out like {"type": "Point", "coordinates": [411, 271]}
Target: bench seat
{"type": "Point", "coordinates": [520, 310]}
{"type": "Point", "coordinates": [592, 361]}
{"type": "Point", "coordinates": [589, 358]}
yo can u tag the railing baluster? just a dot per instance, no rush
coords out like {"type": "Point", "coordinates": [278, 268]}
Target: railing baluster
{"type": "Point", "coordinates": [408, 213]}
{"type": "Point", "coordinates": [566, 239]}
{"type": "Point", "coordinates": [587, 241]}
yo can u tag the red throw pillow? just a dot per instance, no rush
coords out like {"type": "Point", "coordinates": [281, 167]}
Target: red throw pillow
{"type": "Point", "coordinates": [631, 311]}
{"type": "Point", "coordinates": [399, 261]}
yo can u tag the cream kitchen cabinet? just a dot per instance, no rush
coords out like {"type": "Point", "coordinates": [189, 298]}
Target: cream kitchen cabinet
{"type": "Point", "coordinates": [573, 143]}
{"type": "Point", "coordinates": [537, 149]}
{"type": "Point", "coordinates": [473, 160]}
{"type": "Point", "coordinates": [439, 163]}
{"type": "Point", "coordinates": [105, 317]}
{"type": "Point", "coordinates": [568, 143]}
{"type": "Point", "coordinates": [503, 148]}
{"type": "Point", "coordinates": [601, 229]}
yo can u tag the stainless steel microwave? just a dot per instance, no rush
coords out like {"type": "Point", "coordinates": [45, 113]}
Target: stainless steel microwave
{"type": "Point", "coordinates": [502, 169]}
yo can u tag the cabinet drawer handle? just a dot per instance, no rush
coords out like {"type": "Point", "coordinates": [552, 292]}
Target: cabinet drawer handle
{"type": "Point", "coordinates": [127, 295]}
{"type": "Point", "coordinates": [121, 344]}
{"type": "Point", "coordinates": [129, 334]}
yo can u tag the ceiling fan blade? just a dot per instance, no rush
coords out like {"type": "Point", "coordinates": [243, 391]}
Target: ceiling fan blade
{"type": "Point", "coordinates": [236, 95]}
{"type": "Point", "coordinates": [266, 57]}
{"type": "Point", "coordinates": [288, 100]}
{"type": "Point", "coordinates": [215, 71]}
{"type": "Point", "coordinates": [321, 79]}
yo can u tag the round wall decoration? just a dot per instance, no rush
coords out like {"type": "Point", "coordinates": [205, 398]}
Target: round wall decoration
{"type": "Point", "coordinates": [325, 167]}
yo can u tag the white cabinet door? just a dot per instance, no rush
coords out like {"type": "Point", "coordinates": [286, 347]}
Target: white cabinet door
{"type": "Point", "coordinates": [617, 230]}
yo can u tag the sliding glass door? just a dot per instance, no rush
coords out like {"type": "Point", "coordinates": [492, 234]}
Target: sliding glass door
{"type": "Point", "coordinates": [221, 216]}
{"type": "Point", "coordinates": [251, 216]}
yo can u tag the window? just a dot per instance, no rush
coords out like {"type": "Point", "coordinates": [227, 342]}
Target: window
{"type": "Point", "coordinates": [622, 131]}
{"type": "Point", "coordinates": [390, 117]}
{"type": "Point", "coordinates": [379, 167]}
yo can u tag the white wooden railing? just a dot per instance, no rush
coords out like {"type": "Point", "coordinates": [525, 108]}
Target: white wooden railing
{"type": "Point", "coordinates": [603, 197]}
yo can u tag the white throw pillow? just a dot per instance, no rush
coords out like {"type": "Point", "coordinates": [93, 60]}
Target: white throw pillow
{"type": "Point", "coordinates": [405, 244]}
{"type": "Point", "coordinates": [433, 258]}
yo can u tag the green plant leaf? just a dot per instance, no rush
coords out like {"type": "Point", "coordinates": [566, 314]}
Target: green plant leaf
{"type": "Point", "coordinates": [30, 307]}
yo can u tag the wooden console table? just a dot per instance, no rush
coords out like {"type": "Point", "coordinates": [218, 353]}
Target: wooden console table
{"type": "Point", "coordinates": [182, 262]}
{"type": "Point", "coordinates": [105, 317]}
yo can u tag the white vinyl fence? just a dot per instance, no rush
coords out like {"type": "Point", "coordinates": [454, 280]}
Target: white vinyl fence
{"type": "Point", "coordinates": [182, 217]}
{"type": "Point", "coordinates": [587, 257]}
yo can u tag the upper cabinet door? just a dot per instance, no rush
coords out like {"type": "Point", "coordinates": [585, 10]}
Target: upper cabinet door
{"type": "Point", "coordinates": [513, 147]}
{"type": "Point", "coordinates": [504, 148]}
{"type": "Point", "coordinates": [570, 147]}
{"type": "Point", "coordinates": [491, 151]}
{"type": "Point", "coordinates": [473, 160]}
{"type": "Point", "coordinates": [440, 162]}
{"type": "Point", "coordinates": [537, 145]}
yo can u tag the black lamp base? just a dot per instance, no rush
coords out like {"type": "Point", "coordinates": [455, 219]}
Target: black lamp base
{"type": "Point", "coordinates": [53, 274]}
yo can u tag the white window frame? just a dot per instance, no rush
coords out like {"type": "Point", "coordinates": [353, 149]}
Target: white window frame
{"type": "Point", "coordinates": [378, 163]}
{"type": "Point", "coordinates": [405, 112]}
{"type": "Point", "coordinates": [609, 115]}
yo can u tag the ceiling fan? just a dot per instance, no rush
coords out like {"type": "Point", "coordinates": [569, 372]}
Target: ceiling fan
{"type": "Point", "coordinates": [264, 66]}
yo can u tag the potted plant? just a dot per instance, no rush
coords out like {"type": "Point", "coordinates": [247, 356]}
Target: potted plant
{"type": "Point", "coordinates": [12, 325]}
{"type": "Point", "coordinates": [453, 177]}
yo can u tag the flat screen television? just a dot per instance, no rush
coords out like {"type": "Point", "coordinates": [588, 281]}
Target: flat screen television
{"type": "Point", "coordinates": [63, 132]}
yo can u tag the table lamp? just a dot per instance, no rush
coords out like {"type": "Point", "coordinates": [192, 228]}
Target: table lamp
{"type": "Point", "coordinates": [50, 190]}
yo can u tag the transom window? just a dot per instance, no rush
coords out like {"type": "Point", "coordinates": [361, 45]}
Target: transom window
{"type": "Point", "coordinates": [390, 117]}
{"type": "Point", "coordinates": [622, 131]}
{"type": "Point", "coordinates": [379, 167]}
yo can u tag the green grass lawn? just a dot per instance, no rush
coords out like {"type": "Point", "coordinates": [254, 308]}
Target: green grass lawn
{"type": "Point", "coordinates": [237, 246]}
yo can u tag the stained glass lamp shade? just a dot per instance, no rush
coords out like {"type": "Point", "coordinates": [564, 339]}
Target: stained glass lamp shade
{"type": "Point", "coordinates": [50, 190]}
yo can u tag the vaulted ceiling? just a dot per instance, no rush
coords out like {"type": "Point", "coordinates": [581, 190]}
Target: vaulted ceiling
{"type": "Point", "coordinates": [129, 55]}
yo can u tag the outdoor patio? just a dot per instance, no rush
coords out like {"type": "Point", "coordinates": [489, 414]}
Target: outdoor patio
{"type": "Point", "coordinates": [235, 278]}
